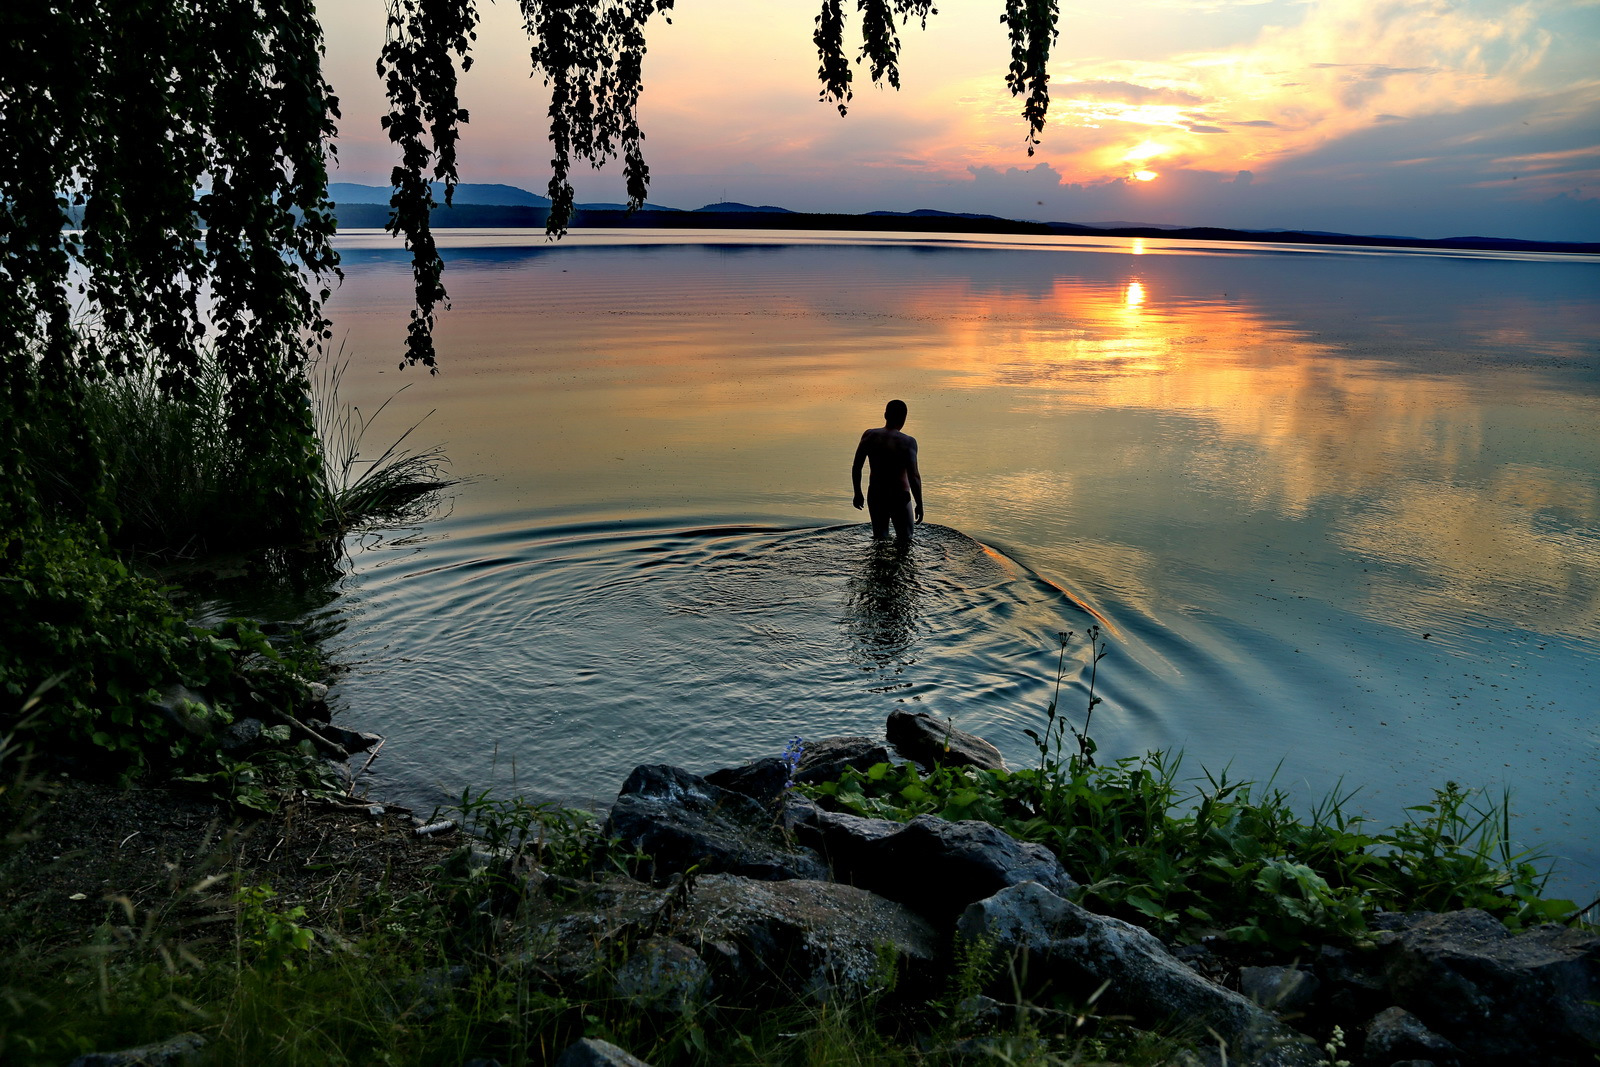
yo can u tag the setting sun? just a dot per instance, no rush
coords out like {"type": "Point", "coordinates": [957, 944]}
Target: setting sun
{"type": "Point", "coordinates": [1143, 151]}
{"type": "Point", "coordinates": [1145, 175]}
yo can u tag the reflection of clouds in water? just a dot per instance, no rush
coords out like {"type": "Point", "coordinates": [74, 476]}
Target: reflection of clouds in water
{"type": "Point", "coordinates": [1523, 548]}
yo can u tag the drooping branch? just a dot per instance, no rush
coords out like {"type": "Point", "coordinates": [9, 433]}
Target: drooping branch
{"type": "Point", "coordinates": [424, 41]}
{"type": "Point", "coordinates": [1032, 27]}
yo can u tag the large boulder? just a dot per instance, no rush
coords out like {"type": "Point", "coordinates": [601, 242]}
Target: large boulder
{"type": "Point", "coordinates": [826, 759]}
{"type": "Point", "coordinates": [739, 940]}
{"type": "Point", "coordinates": [1501, 997]}
{"type": "Point", "coordinates": [765, 780]}
{"type": "Point", "coordinates": [1395, 1035]}
{"type": "Point", "coordinates": [919, 736]}
{"type": "Point", "coordinates": [679, 820]}
{"type": "Point", "coordinates": [931, 864]}
{"type": "Point", "coordinates": [1075, 952]}
{"type": "Point", "coordinates": [593, 1052]}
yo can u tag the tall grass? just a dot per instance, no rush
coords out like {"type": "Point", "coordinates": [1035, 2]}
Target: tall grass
{"type": "Point", "coordinates": [359, 488]}
{"type": "Point", "coordinates": [168, 473]}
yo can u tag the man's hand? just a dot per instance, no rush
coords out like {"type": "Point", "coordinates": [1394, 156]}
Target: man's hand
{"type": "Point", "coordinates": [860, 500]}
{"type": "Point", "coordinates": [919, 512]}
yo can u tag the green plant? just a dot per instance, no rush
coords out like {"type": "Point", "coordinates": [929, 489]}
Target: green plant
{"type": "Point", "coordinates": [274, 937]}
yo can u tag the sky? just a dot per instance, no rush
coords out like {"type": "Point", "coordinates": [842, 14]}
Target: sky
{"type": "Point", "coordinates": [1427, 118]}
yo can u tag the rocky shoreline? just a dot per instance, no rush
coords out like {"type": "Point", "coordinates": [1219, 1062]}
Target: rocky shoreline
{"type": "Point", "coordinates": [734, 889]}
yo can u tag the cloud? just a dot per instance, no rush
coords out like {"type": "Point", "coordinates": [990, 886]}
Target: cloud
{"type": "Point", "coordinates": [1122, 92]}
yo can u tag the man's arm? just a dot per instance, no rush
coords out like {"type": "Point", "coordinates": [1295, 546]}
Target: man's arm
{"type": "Point", "coordinates": [914, 476]}
{"type": "Point", "coordinates": [855, 470]}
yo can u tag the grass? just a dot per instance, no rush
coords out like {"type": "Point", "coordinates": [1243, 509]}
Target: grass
{"type": "Point", "coordinates": [384, 976]}
{"type": "Point", "coordinates": [1202, 857]}
{"type": "Point", "coordinates": [168, 484]}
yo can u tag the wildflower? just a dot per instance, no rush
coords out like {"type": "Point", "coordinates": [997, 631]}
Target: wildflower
{"type": "Point", "coordinates": [791, 759]}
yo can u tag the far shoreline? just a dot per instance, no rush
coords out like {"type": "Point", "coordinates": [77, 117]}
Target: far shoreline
{"type": "Point", "coordinates": [484, 216]}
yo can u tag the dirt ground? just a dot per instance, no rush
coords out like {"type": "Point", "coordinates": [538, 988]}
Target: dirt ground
{"type": "Point", "coordinates": [97, 853]}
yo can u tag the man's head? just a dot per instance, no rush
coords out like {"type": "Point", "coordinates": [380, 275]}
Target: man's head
{"type": "Point", "coordinates": [894, 415]}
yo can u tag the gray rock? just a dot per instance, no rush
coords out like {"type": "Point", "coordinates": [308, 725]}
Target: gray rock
{"type": "Point", "coordinates": [763, 781]}
{"type": "Point", "coordinates": [826, 759]}
{"type": "Point", "coordinates": [1282, 989]}
{"type": "Point", "coordinates": [185, 1048]}
{"type": "Point", "coordinates": [680, 820]}
{"type": "Point", "coordinates": [188, 710]}
{"type": "Point", "coordinates": [1501, 997]}
{"type": "Point", "coordinates": [1076, 953]}
{"type": "Point", "coordinates": [240, 734]}
{"type": "Point", "coordinates": [1395, 1034]}
{"type": "Point", "coordinates": [760, 941]}
{"type": "Point", "coordinates": [818, 939]}
{"type": "Point", "coordinates": [352, 741]}
{"type": "Point", "coordinates": [919, 736]}
{"type": "Point", "coordinates": [592, 1052]}
{"type": "Point", "coordinates": [931, 864]}
{"type": "Point", "coordinates": [664, 976]}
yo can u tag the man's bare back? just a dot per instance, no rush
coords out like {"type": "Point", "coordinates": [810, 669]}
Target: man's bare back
{"type": "Point", "coordinates": [896, 480]}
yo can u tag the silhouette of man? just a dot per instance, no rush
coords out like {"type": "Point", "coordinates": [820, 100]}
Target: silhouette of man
{"type": "Point", "coordinates": [896, 481]}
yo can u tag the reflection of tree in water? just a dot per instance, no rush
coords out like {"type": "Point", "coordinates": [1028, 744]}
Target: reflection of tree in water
{"type": "Point", "coordinates": [882, 604]}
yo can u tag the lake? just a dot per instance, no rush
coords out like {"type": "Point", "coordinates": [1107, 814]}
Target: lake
{"type": "Point", "coordinates": [1337, 511]}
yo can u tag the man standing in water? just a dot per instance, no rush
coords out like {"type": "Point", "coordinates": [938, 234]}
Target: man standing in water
{"type": "Point", "coordinates": [896, 481]}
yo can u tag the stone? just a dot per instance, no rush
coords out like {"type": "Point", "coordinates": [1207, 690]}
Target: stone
{"type": "Point", "coordinates": [931, 864]}
{"type": "Point", "coordinates": [186, 709]}
{"type": "Point", "coordinates": [1281, 989]}
{"type": "Point", "coordinates": [760, 941]}
{"type": "Point", "coordinates": [826, 759]}
{"type": "Point", "coordinates": [679, 820]}
{"type": "Point", "coordinates": [185, 1048]}
{"type": "Point", "coordinates": [240, 734]}
{"type": "Point", "coordinates": [592, 1052]}
{"type": "Point", "coordinates": [1075, 952]}
{"type": "Point", "coordinates": [662, 975]}
{"type": "Point", "coordinates": [352, 741]}
{"type": "Point", "coordinates": [919, 736]}
{"type": "Point", "coordinates": [1395, 1034]}
{"type": "Point", "coordinates": [819, 940]}
{"type": "Point", "coordinates": [764, 781]}
{"type": "Point", "coordinates": [1500, 997]}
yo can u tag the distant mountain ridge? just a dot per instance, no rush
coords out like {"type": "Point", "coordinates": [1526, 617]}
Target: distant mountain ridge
{"type": "Point", "coordinates": [507, 206]}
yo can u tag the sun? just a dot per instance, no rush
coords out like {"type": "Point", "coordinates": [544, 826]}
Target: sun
{"type": "Point", "coordinates": [1143, 151]}
{"type": "Point", "coordinates": [1145, 175]}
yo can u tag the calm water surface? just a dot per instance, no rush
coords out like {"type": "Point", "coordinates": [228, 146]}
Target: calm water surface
{"type": "Point", "coordinates": [1337, 511]}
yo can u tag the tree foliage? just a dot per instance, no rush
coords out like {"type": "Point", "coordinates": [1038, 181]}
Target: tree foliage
{"type": "Point", "coordinates": [163, 200]}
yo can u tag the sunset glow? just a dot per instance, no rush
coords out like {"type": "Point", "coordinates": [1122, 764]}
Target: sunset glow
{"type": "Point", "coordinates": [1356, 115]}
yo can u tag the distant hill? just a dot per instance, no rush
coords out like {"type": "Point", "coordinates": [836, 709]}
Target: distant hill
{"type": "Point", "coordinates": [508, 207]}
{"type": "Point", "coordinates": [730, 207]}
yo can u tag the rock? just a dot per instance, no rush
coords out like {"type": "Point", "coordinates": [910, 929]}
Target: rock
{"type": "Point", "coordinates": [825, 760]}
{"type": "Point", "coordinates": [352, 741]}
{"type": "Point", "coordinates": [662, 975]}
{"type": "Point", "coordinates": [185, 1048]}
{"type": "Point", "coordinates": [592, 1052]}
{"type": "Point", "coordinates": [680, 820]}
{"type": "Point", "coordinates": [240, 734]}
{"type": "Point", "coordinates": [316, 692]}
{"type": "Point", "coordinates": [818, 939]}
{"type": "Point", "coordinates": [763, 781]}
{"type": "Point", "coordinates": [186, 709]}
{"type": "Point", "coordinates": [1395, 1034]}
{"type": "Point", "coordinates": [931, 864]}
{"type": "Point", "coordinates": [760, 941]}
{"type": "Point", "coordinates": [1076, 953]}
{"type": "Point", "coordinates": [919, 736]}
{"type": "Point", "coordinates": [1501, 997]}
{"type": "Point", "coordinates": [1282, 989]}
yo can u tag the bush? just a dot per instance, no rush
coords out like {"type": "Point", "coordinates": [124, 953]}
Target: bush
{"type": "Point", "coordinates": [113, 641]}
